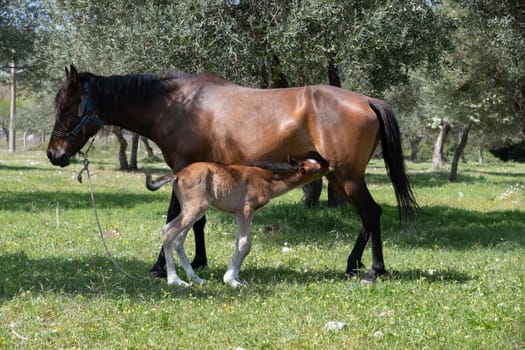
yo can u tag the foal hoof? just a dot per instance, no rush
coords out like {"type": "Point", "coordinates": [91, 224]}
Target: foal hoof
{"type": "Point", "coordinates": [199, 280]}
{"type": "Point", "coordinates": [178, 283]}
{"type": "Point", "coordinates": [235, 283]}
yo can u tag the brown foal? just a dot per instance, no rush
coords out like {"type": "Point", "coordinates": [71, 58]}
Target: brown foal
{"type": "Point", "coordinates": [235, 189]}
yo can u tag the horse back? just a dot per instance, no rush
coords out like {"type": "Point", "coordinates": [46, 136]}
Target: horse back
{"type": "Point", "coordinates": [233, 124]}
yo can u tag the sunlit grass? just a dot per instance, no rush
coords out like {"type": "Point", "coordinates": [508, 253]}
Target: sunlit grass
{"type": "Point", "coordinates": [457, 279]}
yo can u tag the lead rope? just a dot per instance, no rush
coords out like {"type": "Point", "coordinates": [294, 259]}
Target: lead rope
{"type": "Point", "coordinates": [85, 162]}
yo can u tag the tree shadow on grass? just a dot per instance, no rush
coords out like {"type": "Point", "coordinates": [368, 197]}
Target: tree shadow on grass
{"type": "Point", "coordinates": [433, 179]}
{"type": "Point", "coordinates": [42, 200]}
{"type": "Point", "coordinates": [434, 226]}
{"type": "Point", "coordinates": [446, 275]}
{"type": "Point", "coordinates": [10, 167]}
{"type": "Point", "coordinates": [94, 276]}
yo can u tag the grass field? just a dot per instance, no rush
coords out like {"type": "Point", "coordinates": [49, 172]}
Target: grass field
{"type": "Point", "coordinates": [457, 279]}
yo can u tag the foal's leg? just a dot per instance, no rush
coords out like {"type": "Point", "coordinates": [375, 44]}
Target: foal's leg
{"type": "Point", "coordinates": [171, 231]}
{"type": "Point", "coordinates": [243, 246]}
{"type": "Point", "coordinates": [200, 259]}
{"type": "Point", "coordinates": [185, 263]}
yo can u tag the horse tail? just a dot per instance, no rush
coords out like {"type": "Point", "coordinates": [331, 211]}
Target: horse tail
{"type": "Point", "coordinates": [394, 162]}
{"type": "Point", "coordinates": [155, 184]}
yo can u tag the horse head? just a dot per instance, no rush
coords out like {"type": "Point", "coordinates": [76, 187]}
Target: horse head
{"type": "Point", "coordinates": [75, 122]}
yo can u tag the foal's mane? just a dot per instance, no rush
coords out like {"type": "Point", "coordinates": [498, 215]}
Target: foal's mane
{"type": "Point", "coordinates": [277, 168]}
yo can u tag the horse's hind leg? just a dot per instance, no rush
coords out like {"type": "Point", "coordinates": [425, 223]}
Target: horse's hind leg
{"type": "Point", "coordinates": [370, 213]}
{"type": "Point", "coordinates": [354, 259]}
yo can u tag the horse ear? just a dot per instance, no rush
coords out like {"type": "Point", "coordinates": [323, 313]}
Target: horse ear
{"type": "Point", "coordinates": [67, 72]}
{"type": "Point", "coordinates": [73, 76]}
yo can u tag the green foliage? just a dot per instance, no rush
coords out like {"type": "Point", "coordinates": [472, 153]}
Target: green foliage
{"type": "Point", "coordinates": [456, 279]}
{"type": "Point", "coordinates": [18, 27]}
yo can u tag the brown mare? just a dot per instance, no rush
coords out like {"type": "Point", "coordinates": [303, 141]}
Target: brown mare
{"type": "Point", "coordinates": [207, 118]}
{"type": "Point", "coordinates": [237, 189]}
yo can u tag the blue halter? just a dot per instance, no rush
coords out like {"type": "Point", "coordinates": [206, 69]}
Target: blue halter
{"type": "Point", "coordinates": [87, 115]}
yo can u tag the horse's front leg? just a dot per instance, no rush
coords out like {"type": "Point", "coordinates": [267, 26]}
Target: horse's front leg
{"type": "Point", "coordinates": [243, 246]}
{"type": "Point", "coordinates": [199, 260]}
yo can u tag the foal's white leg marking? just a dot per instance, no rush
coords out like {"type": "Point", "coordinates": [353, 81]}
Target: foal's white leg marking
{"type": "Point", "coordinates": [242, 248]}
{"type": "Point", "coordinates": [170, 231]}
{"type": "Point", "coordinates": [179, 248]}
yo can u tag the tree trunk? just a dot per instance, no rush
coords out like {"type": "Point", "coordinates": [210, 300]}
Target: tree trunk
{"type": "Point", "coordinates": [458, 153]}
{"type": "Point", "coordinates": [134, 150]}
{"type": "Point", "coordinates": [519, 105]}
{"type": "Point", "coordinates": [12, 110]}
{"type": "Point", "coordinates": [272, 74]}
{"type": "Point", "coordinates": [481, 148]}
{"type": "Point", "coordinates": [149, 150]}
{"type": "Point", "coordinates": [333, 72]}
{"type": "Point", "coordinates": [24, 141]}
{"type": "Point", "coordinates": [414, 147]}
{"type": "Point", "coordinates": [123, 145]}
{"type": "Point", "coordinates": [437, 156]}
{"type": "Point", "coordinates": [6, 135]}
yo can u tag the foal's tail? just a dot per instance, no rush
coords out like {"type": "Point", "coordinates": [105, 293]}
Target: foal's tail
{"type": "Point", "coordinates": [155, 184]}
{"type": "Point", "coordinates": [394, 162]}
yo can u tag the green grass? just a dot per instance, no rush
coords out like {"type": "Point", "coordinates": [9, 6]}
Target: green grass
{"type": "Point", "coordinates": [457, 279]}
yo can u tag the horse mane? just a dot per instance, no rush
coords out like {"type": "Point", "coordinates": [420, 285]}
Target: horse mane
{"type": "Point", "coordinates": [135, 90]}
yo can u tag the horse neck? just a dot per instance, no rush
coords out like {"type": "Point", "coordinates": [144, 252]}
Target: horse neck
{"type": "Point", "coordinates": [140, 115]}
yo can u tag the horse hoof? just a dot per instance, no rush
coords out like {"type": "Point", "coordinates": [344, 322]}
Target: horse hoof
{"type": "Point", "coordinates": [199, 264]}
{"type": "Point", "coordinates": [353, 268]}
{"type": "Point", "coordinates": [158, 272]}
{"type": "Point", "coordinates": [368, 280]}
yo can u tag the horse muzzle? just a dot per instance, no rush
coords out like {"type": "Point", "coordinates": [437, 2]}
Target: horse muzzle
{"type": "Point", "coordinates": [62, 159]}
